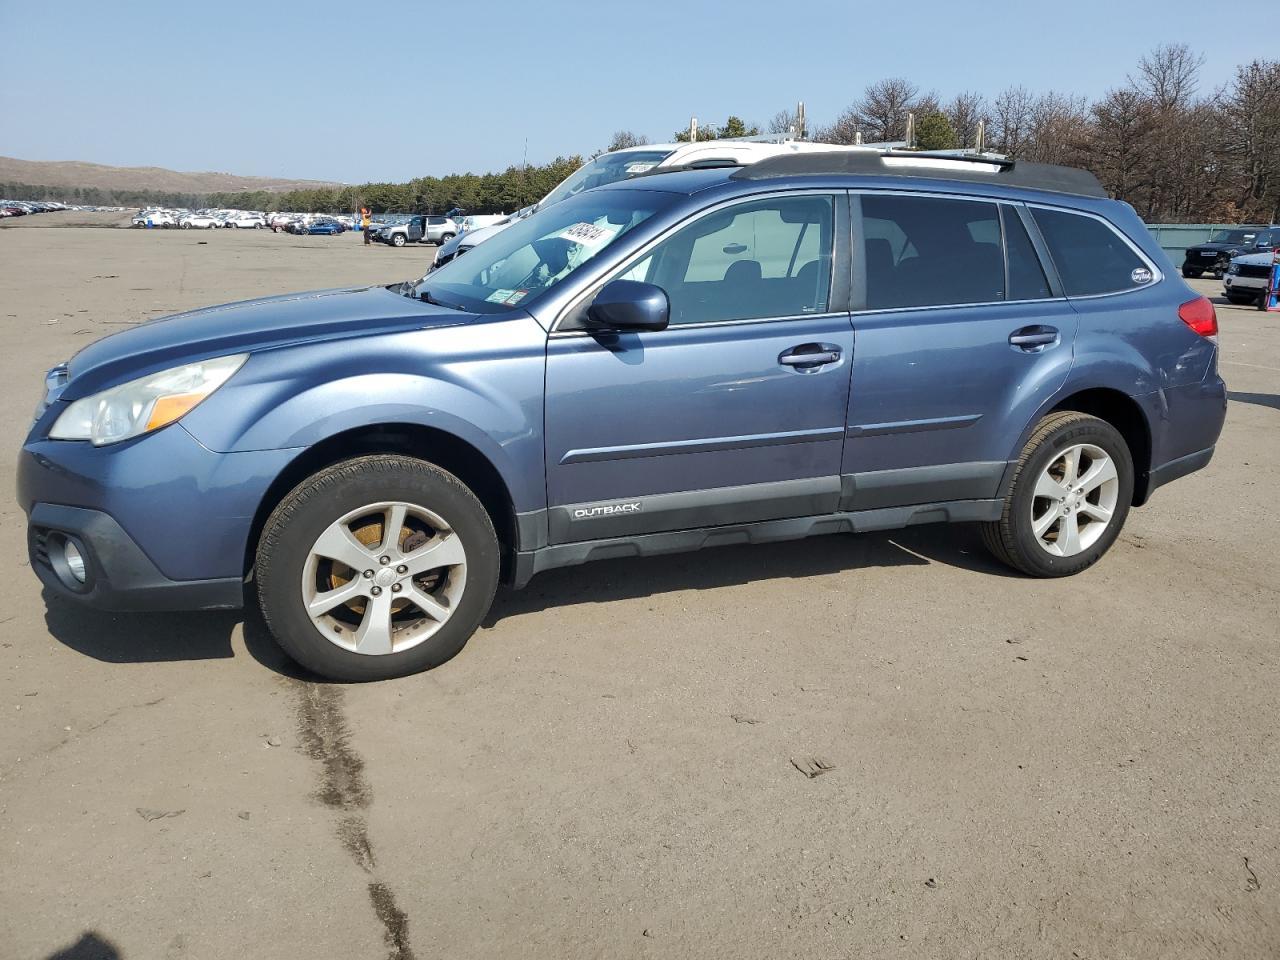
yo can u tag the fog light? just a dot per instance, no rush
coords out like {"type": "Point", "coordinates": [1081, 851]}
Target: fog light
{"type": "Point", "coordinates": [75, 560]}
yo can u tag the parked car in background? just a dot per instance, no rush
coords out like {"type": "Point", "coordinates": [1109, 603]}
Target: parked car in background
{"type": "Point", "coordinates": [631, 162]}
{"type": "Point", "coordinates": [246, 221]}
{"type": "Point", "coordinates": [325, 226]}
{"type": "Point", "coordinates": [155, 218]}
{"type": "Point", "coordinates": [1248, 277]}
{"type": "Point", "coordinates": [1217, 253]}
{"type": "Point", "coordinates": [198, 221]}
{"type": "Point", "coordinates": [645, 367]}
{"type": "Point", "coordinates": [422, 228]}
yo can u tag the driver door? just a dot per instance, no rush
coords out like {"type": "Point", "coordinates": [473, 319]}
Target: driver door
{"type": "Point", "coordinates": [414, 233]}
{"type": "Point", "coordinates": [733, 414]}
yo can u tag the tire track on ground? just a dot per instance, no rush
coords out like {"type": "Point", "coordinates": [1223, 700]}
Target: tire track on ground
{"type": "Point", "coordinates": [326, 738]}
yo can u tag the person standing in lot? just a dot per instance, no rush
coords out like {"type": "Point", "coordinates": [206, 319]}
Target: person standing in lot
{"type": "Point", "coordinates": [366, 224]}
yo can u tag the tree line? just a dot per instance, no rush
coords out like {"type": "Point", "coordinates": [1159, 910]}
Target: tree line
{"type": "Point", "coordinates": [1176, 152]}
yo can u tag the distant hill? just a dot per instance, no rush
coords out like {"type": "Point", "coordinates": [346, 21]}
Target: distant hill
{"type": "Point", "coordinates": [74, 173]}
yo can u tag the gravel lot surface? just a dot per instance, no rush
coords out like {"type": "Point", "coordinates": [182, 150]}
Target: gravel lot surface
{"type": "Point", "coordinates": [1081, 768]}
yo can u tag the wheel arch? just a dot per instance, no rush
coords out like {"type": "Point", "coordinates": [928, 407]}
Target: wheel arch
{"type": "Point", "coordinates": [1121, 411]}
{"type": "Point", "coordinates": [436, 446]}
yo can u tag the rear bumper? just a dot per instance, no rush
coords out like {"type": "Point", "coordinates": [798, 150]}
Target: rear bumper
{"type": "Point", "coordinates": [1185, 424]}
{"type": "Point", "coordinates": [1175, 469]}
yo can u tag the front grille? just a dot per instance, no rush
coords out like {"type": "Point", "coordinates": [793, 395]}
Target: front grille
{"type": "Point", "coordinates": [1253, 270]}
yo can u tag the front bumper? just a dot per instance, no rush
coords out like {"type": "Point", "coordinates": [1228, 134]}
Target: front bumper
{"type": "Point", "coordinates": [1232, 283]}
{"type": "Point", "coordinates": [117, 574]}
{"type": "Point", "coordinates": [162, 522]}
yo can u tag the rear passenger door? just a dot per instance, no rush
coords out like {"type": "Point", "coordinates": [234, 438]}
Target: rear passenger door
{"type": "Point", "coordinates": [961, 335]}
{"type": "Point", "coordinates": [732, 414]}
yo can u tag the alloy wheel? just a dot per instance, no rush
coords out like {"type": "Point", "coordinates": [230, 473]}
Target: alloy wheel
{"type": "Point", "coordinates": [384, 578]}
{"type": "Point", "coordinates": [1074, 500]}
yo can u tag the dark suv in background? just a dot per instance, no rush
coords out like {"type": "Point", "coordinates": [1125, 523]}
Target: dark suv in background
{"type": "Point", "coordinates": [1216, 254]}
{"type": "Point", "coordinates": [812, 344]}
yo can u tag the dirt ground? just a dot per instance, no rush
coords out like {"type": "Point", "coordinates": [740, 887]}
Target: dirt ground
{"type": "Point", "coordinates": [1082, 768]}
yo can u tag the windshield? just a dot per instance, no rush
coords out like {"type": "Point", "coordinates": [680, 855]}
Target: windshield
{"type": "Point", "coordinates": [1232, 236]}
{"type": "Point", "coordinates": [606, 168]}
{"type": "Point", "coordinates": [532, 256]}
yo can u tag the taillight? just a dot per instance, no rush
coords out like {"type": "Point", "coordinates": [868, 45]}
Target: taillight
{"type": "Point", "coordinates": [1199, 315]}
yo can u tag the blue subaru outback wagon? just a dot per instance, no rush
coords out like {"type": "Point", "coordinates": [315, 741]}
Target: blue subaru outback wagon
{"type": "Point", "coordinates": [818, 343]}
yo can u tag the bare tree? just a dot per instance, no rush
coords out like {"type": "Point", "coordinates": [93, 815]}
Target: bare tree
{"type": "Point", "coordinates": [1251, 111]}
{"type": "Point", "coordinates": [625, 138]}
{"type": "Point", "coordinates": [1012, 115]}
{"type": "Point", "coordinates": [784, 121]}
{"type": "Point", "coordinates": [965, 111]}
{"type": "Point", "coordinates": [1122, 124]}
{"type": "Point", "coordinates": [1169, 75]}
{"type": "Point", "coordinates": [1059, 129]}
{"type": "Point", "coordinates": [882, 111]}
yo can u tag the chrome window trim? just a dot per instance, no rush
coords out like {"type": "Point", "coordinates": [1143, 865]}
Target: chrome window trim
{"type": "Point", "coordinates": [567, 334]}
{"type": "Point", "coordinates": [1004, 247]}
{"type": "Point", "coordinates": [592, 286]}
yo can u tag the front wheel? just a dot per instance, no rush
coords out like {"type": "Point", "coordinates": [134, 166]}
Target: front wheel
{"type": "Point", "coordinates": [376, 567]}
{"type": "Point", "coordinates": [398, 240]}
{"type": "Point", "coordinates": [1071, 491]}
{"type": "Point", "coordinates": [446, 237]}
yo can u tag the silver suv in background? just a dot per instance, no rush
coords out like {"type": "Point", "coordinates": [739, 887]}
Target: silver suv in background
{"type": "Point", "coordinates": [423, 228]}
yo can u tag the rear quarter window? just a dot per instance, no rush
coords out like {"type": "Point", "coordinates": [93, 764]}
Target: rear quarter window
{"type": "Point", "coordinates": [1090, 256]}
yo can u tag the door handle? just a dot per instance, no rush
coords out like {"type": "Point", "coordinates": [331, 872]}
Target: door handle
{"type": "Point", "coordinates": [1034, 339]}
{"type": "Point", "coordinates": [810, 355]}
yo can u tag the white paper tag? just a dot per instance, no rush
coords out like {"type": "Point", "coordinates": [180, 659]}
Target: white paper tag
{"type": "Point", "coordinates": [587, 234]}
{"type": "Point", "coordinates": [499, 296]}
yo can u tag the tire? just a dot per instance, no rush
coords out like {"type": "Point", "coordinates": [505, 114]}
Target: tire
{"type": "Point", "coordinates": [446, 237]}
{"type": "Point", "coordinates": [1013, 538]}
{"type": "Point", "coordinates": [290, 561]}
{"type": "Point", "coordinates": [398, 240]}
{"type": "Point", "coordinates": [1218, 271]}
{"type": "Point", "coordinates": [1240, 301]}
{"type": "Point", "coordinates": [1192, 274]}
{"type": "Point", "coordinates": [186, 226]}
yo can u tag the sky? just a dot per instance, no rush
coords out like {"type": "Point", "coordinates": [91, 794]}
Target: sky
{"type": "Point", "coordinates": [393, 89]}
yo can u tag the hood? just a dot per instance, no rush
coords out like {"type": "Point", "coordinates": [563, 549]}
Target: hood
{"type": "Point", "coordinates": [247, 326]}
{"type": "Point", "coordinates": [1217, 247]}
{"type": "Point", "coordinates": [1256, 259]}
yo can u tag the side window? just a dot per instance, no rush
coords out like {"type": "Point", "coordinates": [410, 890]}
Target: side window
{"type": "Point", "coordinates": [767, 258]}
{"type": "Point", "coordinates": [931, 251]}
{"type": "Point", "coordinates": [1090, 256]}
{"type": "Point", "coordinates": [1026, 275]}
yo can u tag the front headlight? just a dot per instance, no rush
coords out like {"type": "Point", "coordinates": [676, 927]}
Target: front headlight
{"type": "Point", "coordinates": [1234, 268]}
{"type": "Point", "coordinates": [145, 404]}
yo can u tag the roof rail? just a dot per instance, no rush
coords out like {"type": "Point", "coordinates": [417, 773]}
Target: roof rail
{"type": "Point", "coordinates": [935, 165]}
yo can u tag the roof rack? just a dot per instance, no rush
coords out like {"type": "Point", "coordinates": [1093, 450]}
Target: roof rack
{"type": "Point", "coordinates": [930, 165]}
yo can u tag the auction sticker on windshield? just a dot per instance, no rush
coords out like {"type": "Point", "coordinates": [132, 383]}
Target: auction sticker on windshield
{"type": "Point", "coordinates": [588, 234]}
{"type": "Point", "coordinates": [499, 296]}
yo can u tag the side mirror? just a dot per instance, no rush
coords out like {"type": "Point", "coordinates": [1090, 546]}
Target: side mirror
{"type": "Point", "coordinates": [629, 305]}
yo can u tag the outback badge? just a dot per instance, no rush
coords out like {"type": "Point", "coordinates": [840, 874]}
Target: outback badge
{"type": "Point", "coordinates": [608, 510]}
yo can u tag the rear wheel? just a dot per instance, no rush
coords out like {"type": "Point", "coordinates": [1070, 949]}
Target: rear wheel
{"type": "Point", "coordinates": [1192, 274]}
{"type": "Point", "coordinates": [1241, 301]}
{"type": "Point", "coordinates": [377, 567]}
{"type": "Point", "coordinates": [1071, 491]}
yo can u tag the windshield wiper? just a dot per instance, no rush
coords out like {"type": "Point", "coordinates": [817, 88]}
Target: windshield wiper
{"type": "Point", "coordinates": [426, 296]}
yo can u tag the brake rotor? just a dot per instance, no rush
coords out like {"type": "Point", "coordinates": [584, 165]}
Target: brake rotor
{"type": "Point", "coordinates": [369, 533]}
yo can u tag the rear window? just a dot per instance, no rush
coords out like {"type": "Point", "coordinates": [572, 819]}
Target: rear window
{"type": "Point", "coordinates": [1090, 256]}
